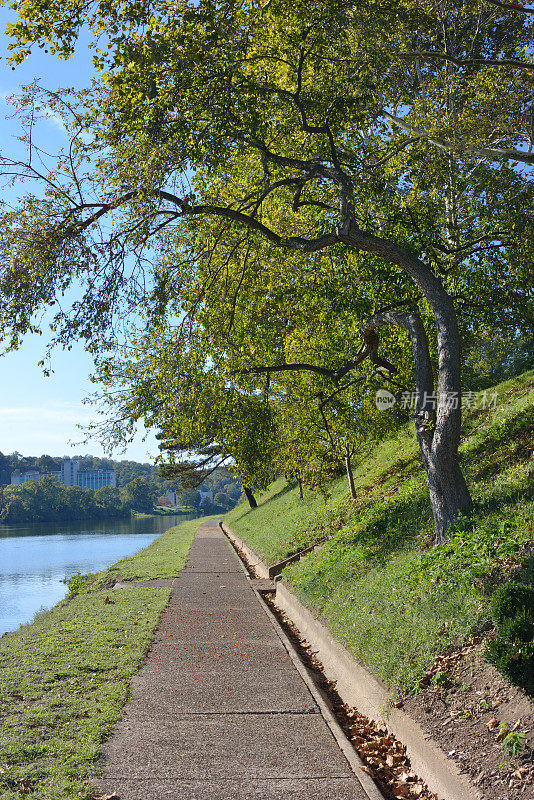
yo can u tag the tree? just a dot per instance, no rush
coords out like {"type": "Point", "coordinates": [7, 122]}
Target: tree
{"type": "Point", "coordinates": [495, 355]}
{"type": "Point", "coordinates": [205, 422]}
{"type": "Point", "coordinates": [141, 494]}
{"type": "Point", "coordinates": [48, 500]}
{"type": "Point", "coordinates": [46, 463]}
{"type": "Point", "coordinates": [190, 498]}
{"type": "Point", "coordinates": [285, 116]}
{"type": "Point", "coordinates": [5, 469]}
{"type": "Point", "coordinates": [233, 491]}
{"type": "Point", "coordinates": [223, 501]}
{"type": "Point", "coordinates": [108, 498]}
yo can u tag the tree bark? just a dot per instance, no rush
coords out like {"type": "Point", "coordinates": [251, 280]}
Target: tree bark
{"type": "Point", "coordinates": [301, 493]}
{"type": "Point", "coordinates": [350, 476]}
{"type": "Point", "coordinates": [250, 497]}
{"type": "Point", "coordinates": [437, 417]}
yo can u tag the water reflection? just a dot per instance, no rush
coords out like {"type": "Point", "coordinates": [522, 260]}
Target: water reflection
{"type": "Point", "coordinates": [36, 559]}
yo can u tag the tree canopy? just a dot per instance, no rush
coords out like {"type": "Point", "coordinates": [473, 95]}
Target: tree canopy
{"type": "Point", "coordinates": [237, 161]}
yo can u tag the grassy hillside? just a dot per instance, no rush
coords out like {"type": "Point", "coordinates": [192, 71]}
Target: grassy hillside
{"type": "Point", "coordinates": [390, 598]}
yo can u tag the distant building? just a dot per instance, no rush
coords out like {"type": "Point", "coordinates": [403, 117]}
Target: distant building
{"type": "Point", "coordinates": [96, 478]}
{"type": "Point", "coordinates": [167, 499]}
{"type": "Point", "coordinates": [171, 496]}
{"type": "Point", "coordinates": [23, 477]}
{"type": "Point", "coordinates": [69, 472]}
{"type": "Point", "coordinates": [71, 475]}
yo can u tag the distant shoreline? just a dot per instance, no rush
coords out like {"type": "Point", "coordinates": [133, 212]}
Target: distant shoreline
{"type": "Point", "coordinates": [125, 516]}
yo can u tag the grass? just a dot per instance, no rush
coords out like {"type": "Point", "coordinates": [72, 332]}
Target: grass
{"type": "Point", "coordinates": [376, 582]}
{"type": "Point", "coordinates": [164, 558]}
{"type": "Point", "coordinates": [167, 511]}
{"type": "Point", "coordinates": [64, 678]}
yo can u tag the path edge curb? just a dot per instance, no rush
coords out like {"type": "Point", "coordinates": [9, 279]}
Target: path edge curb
{"type": "Point", "coordinates": [360, 689]}
{"type": "Point", "coordinates": [356, 764]}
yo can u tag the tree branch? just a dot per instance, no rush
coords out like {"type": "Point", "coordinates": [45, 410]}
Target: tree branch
{"type": "Point", "coordinates": [511, 6]}
{"type": "Point", "coordinates": [297, 367]}
{"type": "Point", "coordinates": [463, 62]}
{"type": "Point", "coordinates": [507, 153]}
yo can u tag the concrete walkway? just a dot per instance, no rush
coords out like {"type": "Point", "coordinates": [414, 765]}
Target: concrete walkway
{"type": "Point", "coordinates": [218, 711]}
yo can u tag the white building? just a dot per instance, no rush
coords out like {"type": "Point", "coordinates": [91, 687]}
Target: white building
{"type": "Point", "coordinates": [71, 475]}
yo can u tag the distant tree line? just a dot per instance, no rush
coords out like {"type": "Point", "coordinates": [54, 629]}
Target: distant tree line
{"type": "Point", "coordinates": [48, 500]}
{"type": "Point", "coordinates": [125, 471]}
{"type": "Point", "coordinates": [139, 486]}
{"type": "Point", "coordinates": [225, 492]}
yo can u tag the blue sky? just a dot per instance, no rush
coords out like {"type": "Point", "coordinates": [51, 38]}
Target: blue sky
{"type": "Point", "coordinates": [39, 414]}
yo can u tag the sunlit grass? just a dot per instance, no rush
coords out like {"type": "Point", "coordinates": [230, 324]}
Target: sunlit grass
{"type": "Point", "coordinates": [388, 597]}
{"type": "Point", "coordinates": [164, 558]}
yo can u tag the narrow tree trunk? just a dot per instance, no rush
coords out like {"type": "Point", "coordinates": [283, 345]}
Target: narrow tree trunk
{"type": "Point", "coordinates": [348, 467]}
{"type": "Point", "coordinates": [301, 493]}
{"type": "Point", "coordinates": [250, 497]}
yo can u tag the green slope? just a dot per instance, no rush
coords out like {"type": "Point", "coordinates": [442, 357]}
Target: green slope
{"type": "Point", "coordinates": [385, 594]}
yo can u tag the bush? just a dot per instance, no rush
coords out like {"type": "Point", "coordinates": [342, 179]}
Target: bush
{"type": "Point", "coordinates": [512, 651]}
{"type": "Point", "coordinates": [514, 660]}
{"type": "Point", "coordinates": [78, 581]}
{"type": "Point", "coordinates": [511, 599]}
{"type": "Point", "coordinates": [518, 629]}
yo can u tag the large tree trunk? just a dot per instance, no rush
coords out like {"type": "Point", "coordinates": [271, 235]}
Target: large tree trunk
{"type": "Point", "coordinates": [438, 430]}
{"type": "Point", "coordinates": [348, 467]}
{"type": "Point", "coordinates": [250, 497]}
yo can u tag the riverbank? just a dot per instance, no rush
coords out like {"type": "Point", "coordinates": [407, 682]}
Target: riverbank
{"type": "Point", "coordinates": [64, 678]}
{"type": "Point", "coordinates": [167, 511]}
{"type": "Point", "coordinates": [37, 559]}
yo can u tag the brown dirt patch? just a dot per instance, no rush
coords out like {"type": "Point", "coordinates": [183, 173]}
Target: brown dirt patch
{"type": "Point", "coordinates": [467, 707]}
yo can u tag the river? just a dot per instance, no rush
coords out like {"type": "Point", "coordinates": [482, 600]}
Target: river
{"type": "Point", "coordinates": [35, 559]}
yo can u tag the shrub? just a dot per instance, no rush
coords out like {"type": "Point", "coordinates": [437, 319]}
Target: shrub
{"type": "Point", "coordinates": [512, 651]}
{"type": "Point", "coordinates": [511, 599]}
{"type": "Point", "coordinates": [514, 660]}
{"type": "Point", "coordinates": [78, 581]}
{"type": "Point", "coordinates": [518, 629]}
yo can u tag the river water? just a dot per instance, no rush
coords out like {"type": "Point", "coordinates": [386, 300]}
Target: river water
{"type": "Point", "coordinates": [36, 559]}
